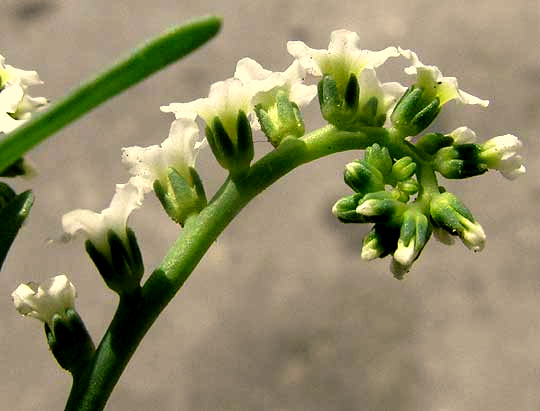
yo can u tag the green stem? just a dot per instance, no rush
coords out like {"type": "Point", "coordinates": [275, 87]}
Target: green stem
{"type": "Point", "coordinates": [134, 317]}
{"type": "Point", "coordinates": [151, 57]}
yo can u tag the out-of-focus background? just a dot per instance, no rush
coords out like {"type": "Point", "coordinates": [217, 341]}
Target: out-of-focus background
{"type": "Point", "coordinates": [283, 314]}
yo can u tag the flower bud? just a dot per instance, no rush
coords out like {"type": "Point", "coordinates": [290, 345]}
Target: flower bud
{"type": "Point", "coordinates": [414, 234]}
{"type": "Point", "coordinates": [379, 158]}
{"type": "Point", "coordinates": [381, 206]}
{"type": "Point", "coordinates": [53, 303]}
{"type": "Point", "coordinates": [415, 111]}
{"type": "Point", "coordinates": [363, 178]}
{"type": "Point", "coordinates": [379, 242]}
{"type": "Point", "coordinates": [451, 214]}
{"type": "Point", "coordinates": [403, 169]}
{"type": "Point", "coordinates": [345, 209]}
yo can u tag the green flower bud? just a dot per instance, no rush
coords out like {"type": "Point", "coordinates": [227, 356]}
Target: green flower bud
{"type": "Point", "coordinates": [379, 242]}
{"type": "Point", "coordinates": [415, 111]}
{"type": "Point", "coordinates": [339, 108]}
{"type": "Point", "coordinates": [451, 214]}
{"type": "Point", "coordinates": [414, 234]}
{"type": "Point", "coordinates": [178, 197]}
{"type": "Point", "coordinates": [403, 169]}
{"type": "Point", "coordinates": [379, 158]}
{"type": "Point", "coordinates": [280, 120]}
{"type": "Point", "coordinates": [459, 161]}
{"type": "Point", "coordinates": [381, 206]}
{"type": "Point", "coordinates": [363, 178]}
{"type": "Point", "coordinates": [345, 209]}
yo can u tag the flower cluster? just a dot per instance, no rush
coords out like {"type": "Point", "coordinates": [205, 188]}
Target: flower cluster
{"type": "Point", "coordinates": [16, 106]}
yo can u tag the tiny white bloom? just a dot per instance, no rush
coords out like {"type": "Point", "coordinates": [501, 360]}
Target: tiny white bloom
{"type": "Point", "coordinates": [501, 153]}
{"type": "Point", "coordinates": [95, 226]}
{"type": "Point", "coordinates": [264, 84]}
{"type": "Point", "coordinates": [16, 106]}
{"type": "Point", "coordinates": [179, 150]}
{"type": "Point", "coordinates": [432, 80]}
{"type": "Point", "coordinates": [405, 253]}
{"type": "Point", "coordinates": [463, 135]}
{"type": "Point", "coordinates": [225, 100]}
{"type": "Point", "coordinates": [54, 296]}
{"type": "Point", "coordinates": [342, 57]}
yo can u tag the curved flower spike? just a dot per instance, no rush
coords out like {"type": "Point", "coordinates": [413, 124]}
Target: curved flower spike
{"type": "Point", "coordinates": [342, 58]}
{"type": "Point", "coordinates": [43, 301]}
{"type": "Point", "coordinates": [431, 80]}
{"type": "Point", "coordinates": [179, 150]}
{"type": "Point", "coordinates": [15, 105]}
{"type": "Point", "coordinates": [96, 226]}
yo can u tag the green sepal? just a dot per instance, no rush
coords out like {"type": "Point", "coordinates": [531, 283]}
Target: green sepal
{"type": "Point", "coordinates": [433, 142]}
{"type": "Point", "coordinates": [245, 151]}
{"type": "Point", "coordinates": [459, 161]}
{"type": "Point", "coordinates": [234, 153]}
{"type": "Point", "coordinates": [403, 169]}
{"type": "Point", "coordinates": [352, 93]}
{"type": "Point", "coordinates": [344, 109]}
{"type": "Point", "coordinates": [379, 157]}
{"type": "Point", "coordinates": [382, 206]}
{"type": "Point", "coordinates": [415, 111]}
{"type": "Point", "coordinates": [123, 269]}
{"type": "Point", "coordinates": [280, 120]}
{"type": "Point", "coordinates": [12, 216]}
{"type": "Point", "coordinates": [69, 341]}
{"type": "Point", "coordinates": [178, 198]}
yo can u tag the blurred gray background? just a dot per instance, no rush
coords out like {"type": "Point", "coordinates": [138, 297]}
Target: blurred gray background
{"type": "Point", "coordinates": [283, 314]}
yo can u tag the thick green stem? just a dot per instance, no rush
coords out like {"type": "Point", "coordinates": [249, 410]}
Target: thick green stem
{"type": "Point", "coordinates": [135, 316]}
{"type": "Point", "coordinates": [153, 56]}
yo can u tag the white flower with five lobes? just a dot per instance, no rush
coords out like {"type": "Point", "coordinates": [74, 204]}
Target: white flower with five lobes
{"type": "Point", "coordinates": [501, 153]}
{"type": "Point", "coordinates": [96, 226]}
{"type": "Point", "coordinates": [342, 58]}
{"type": "Point", "coordinates": [179, 150]}
{"type": "Point", "coordinates": [432, 81]}
{"type": "Point", "coordinates": [225, 100]}
{"type": "Point", "coordinates": [265, 84]}
{"type": "Point", "coordinates": [43, 301]}
{"type": "Point", "coordinates": [15, 105]}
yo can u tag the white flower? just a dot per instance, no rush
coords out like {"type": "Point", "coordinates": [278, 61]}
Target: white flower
{"type": "Point", "coordinates": [265, 84]}
{"type": "Point", "coordinates": [463, 135]}
{"type": "Point", "coordinates": [431, 79]}
{"type": "Point", "coordinates": [501, 153]}
{"type": "Point", "coordinates": [43, 301]}
{"type": "Point", "coordinates": [342, 58]}
{"type": "Point", "coordinates": [179, 150]}
{"type": "Point", "coordinates": [225, 100]}
{"type": "Point", "coordinates": [386, 94]}
{"type": "Point", "coordinates": [15, 105]}
{"type": "Point", "coordinates": [127, 198]}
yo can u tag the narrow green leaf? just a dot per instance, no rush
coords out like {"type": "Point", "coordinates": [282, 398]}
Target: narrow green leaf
{"type": "Point", "coordinates": [149, 58]}
{"type": "Point", "coordinates": [12, 217]}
